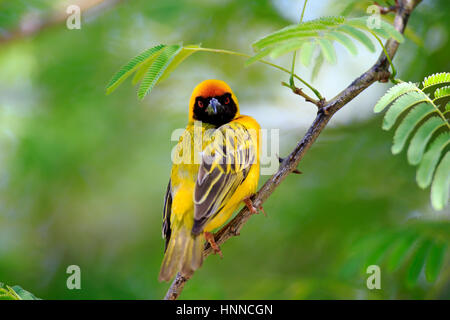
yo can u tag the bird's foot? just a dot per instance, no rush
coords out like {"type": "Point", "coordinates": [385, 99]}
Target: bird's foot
{"type": "Point", "coordinates": [253, 210]}
{"type": "Point", "coordinates": [210, 238]}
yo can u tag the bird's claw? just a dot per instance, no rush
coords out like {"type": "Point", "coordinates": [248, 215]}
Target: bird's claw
{"type": "Point", "coordinates": [210, 238]}
{"type": "Point", "coordinates": [253, 210]}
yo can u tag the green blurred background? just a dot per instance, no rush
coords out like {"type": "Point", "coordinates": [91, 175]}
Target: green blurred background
{"type": "Point", "coordinates": [83, 175]}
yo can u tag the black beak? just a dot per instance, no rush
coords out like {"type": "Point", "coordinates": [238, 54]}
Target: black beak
{"type": "Point", "coordinates": [213, 106]}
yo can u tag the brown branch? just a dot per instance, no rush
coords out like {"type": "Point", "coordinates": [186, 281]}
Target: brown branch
{"type": "Point", "coordinates": [378, 72]}
{"type": "Point", "coordinates": [386, 10]}
{"type": "Point", "coordinates": [33, 23]}
{"type": "Point", "coordinates": [300, 92]}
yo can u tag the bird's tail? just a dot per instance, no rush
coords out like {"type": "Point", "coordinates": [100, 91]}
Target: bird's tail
{"type": "Point", "coordinates": [184, 253]}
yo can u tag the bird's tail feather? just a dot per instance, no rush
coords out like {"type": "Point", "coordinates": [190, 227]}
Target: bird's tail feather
{"type": "Point", "coordinates": [184, 253]}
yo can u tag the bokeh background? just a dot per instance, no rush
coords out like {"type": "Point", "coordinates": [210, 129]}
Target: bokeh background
{"type": "Point", "coordinates": [83, 175]}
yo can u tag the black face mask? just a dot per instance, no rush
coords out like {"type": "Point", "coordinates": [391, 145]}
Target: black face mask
{"type": "Point", "coordinates": [216, 110]}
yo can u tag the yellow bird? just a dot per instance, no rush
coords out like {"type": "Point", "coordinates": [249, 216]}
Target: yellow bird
{"type": "Point", "coordinates": [215, 169]}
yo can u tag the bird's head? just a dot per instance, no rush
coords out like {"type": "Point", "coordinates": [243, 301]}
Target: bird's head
{"type": "Point", "coordinates": [213, 102]}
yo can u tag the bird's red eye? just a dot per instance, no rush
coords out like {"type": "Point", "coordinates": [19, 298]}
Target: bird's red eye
{"type": "Point", "coordinates": [227, 100]}
{"type": "Point", "coordinates": [200, 104]}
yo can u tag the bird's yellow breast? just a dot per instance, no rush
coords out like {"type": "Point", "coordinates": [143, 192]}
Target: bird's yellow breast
{"type": "Point", "coordinates": [187, 159]}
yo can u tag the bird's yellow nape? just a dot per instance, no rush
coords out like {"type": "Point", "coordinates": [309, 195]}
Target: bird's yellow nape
{"type": "Point", "coordinates": [210, 88]}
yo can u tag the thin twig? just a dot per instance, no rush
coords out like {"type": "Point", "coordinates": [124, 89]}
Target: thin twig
{"type": "Point", "coordinates": [378, 72]}
{"type": "Point", "coordinates": [299, 91]}
{"type": "Point", "coordinates": [33, 23]}
{"type": "Point", "coordinates": [291, 79]}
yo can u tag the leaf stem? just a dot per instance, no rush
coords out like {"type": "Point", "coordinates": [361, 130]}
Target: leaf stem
{"type": "Point", "coordinates": [440, 113]}
{"type": "Point", "coordinates": [316, 92]}
{"type": "Point", "coordinates": [291, 79]}
{"type": "Point", "coordinates": [394, 71]}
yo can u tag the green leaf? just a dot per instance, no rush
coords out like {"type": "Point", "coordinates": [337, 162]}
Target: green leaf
{"type": "Point", "coordinates": [157, 69]}
{"type": "Point", "coordinates": [179, 58]}
{"type": "Point", "coordinates": [392, 94]}
{"type": "Point", "coordinates": [327, 50]}
{"type": "Point", "coordinates": [435, 261]}
{"type": "Point", "coordinates": [402, 104]}
{"type": "Point", "coordinates": [400, 251]}
{"type": "Point", "coordinates": [381, 250]}
{"type": "Point", "coordinates": [420, 139]}
{"type": "Point", "coordinates": [386, 30]}
{"type": "Point", "coordinates": [442, 95]}
{"type": "Point", "coordinates": [400, 98]}
{"type": "Point", "coordinates": [324, 30]}
{"type": "Point", "coordinates": [261, 54]}
{"type": "Point", "coordinates": [417, 263]}
{"type": "Point", "coordinates": [431, 159]}
{"type": "Point", "coordinates": [358, 35]}
{"type": "Point", "coordinates": [306, 53]}
{"type": "Point", "coordinates": [276, 39]}
{"type": "Point", "coordinates": [305, 29]}
{"type": "Point", "coordinates": [344, 40]}
{"type": "Point", "coordinates": [436, 79]}
{"type": "Point", "coordinates": [7, 293]}
{"type": "Point", "coordinates": [24, 294]}
{"type": "Point", "coordinates": [287, 47]}
{"type": "Point", "coordinates": [131, 66]}
{"type": "Point", "coordinates": [318, 63]}
{"type": "Point", "coordinates": [15, 293]}
{"type": "Point", "coordinates": [441, 184]}
{"type": "Point", "coordinates": [408, 124]}
{"type": "Point", "coordinates": [142, 69]}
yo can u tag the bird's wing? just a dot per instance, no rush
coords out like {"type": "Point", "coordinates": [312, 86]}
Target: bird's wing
{"type": "Point", "coordinates": [166, 231]}
{"type": "Point", "coordinates": [226, 161]}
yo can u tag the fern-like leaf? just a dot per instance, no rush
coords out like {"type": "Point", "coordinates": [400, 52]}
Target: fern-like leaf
{"type": "Point", "coordinates": [431, 159]}
{"type": "Point", "coordinates": [436, 79]}
{"type": "Point", "coordinates": [327, 50]}
{"type": "Point", "coordinates": [421, 138]}
{"type": "Point", "coordinates": [132, 66]}
{"type": "Point", "coordinates": [384, 30]}
{"type": "Point", "coordinates": [400, 251]}
{"type": "Point", "coordinates": [441, 184]}
{"type": "Point", "coordinates": [15, 293]}
{"type": "Point", "coordinates": [417, 263]}
{"type": "Point", "coordinates": [324, 31]}
{"type": "Point", "coordinates": [408, 124]}
{"type": "Point", "coordinates": [392, 94]}
{"type": "Point", "coordinates": [435, 261]}
{"type": "Point", "coordinates": [344, 40]}
{"type": "Point", "coordinates": [442, 96]}
{"type": "Point", "coordinates": [305, 29]}
{"type": "Point", "coordinates": [152, 66]}
{"type": "Point", "coordinates": [402, 104]}
{"type": "Point", "coordinates": [426, 119]}
{"type": "Point", "coordinates": [358, 35]}
{"type": "Point", "coordinates": [409, 250]}
{"type": "Point", "coordinates": [182, 55]}
{"type": "Point", "coordinates": [261, 54]}
{"type": "Point", "coordinates": [306, 52]}
{"type": "Point", "coordinates": [156, 70]}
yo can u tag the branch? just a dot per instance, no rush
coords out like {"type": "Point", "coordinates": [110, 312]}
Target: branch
{"type": "Point", "coordinates": [299, 91]}
{"type": "Point", "coordinates": [378, 72]}
{"type": "Point", "coordinates": [33, 23]}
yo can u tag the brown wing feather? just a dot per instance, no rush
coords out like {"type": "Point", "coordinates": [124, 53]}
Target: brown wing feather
{"type": "Point", "coordinates": [225, 165]}
{"type": "Point", "coordinates": [166, 231]}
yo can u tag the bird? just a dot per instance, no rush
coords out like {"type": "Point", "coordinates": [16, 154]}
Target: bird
{"type": "Point", "coordinates": [216, 168]}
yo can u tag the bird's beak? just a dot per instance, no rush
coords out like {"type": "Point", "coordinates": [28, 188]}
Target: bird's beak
{"type": "Point", "coordinates": [213, 106]}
